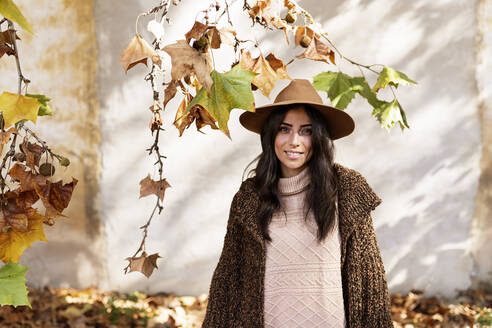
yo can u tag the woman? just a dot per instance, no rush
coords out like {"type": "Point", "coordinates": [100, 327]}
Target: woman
{"type": "Point", "coordinates": [300, 248]}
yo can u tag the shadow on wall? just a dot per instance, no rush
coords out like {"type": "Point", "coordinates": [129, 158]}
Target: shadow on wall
{"type": "Point", "coordinates": [444, 226]}
{"type": "Point", "coordinates": [118, 29]}
{"type": "Point", "coordinates": [76, 264]}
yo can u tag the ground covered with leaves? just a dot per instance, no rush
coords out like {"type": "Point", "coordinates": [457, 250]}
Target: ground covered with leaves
{"type": "Point", "coordinates": [93, 308]}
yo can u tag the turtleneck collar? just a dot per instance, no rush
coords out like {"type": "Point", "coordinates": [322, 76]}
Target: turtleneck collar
{"type": "Point", "coordinates": [295, 184]}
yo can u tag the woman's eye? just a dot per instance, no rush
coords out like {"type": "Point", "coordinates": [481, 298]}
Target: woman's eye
{"type": "Point", "coordinates": [284, 129]}
{"type": "Point", "coordinates": [306, 132]}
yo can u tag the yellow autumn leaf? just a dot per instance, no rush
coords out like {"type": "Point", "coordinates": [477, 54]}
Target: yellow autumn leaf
{"type": "Point", "coordinates": [13, 243]}
{"type": "Point", "coordinates": [9, 10]}
{"type": "Point", "coordinates": [16, 107]}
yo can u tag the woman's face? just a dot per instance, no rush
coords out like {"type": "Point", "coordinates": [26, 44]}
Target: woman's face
{"type": "Point", "coordinates": [293, 141]}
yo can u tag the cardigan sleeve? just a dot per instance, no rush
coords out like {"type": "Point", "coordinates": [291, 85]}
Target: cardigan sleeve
{"type": "Point", "coordinates": [376, 305]}
{"type": "Point", "coordinates": [222, 305]}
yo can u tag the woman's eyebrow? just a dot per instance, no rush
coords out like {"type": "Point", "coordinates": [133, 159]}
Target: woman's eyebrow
{"type": "Point", "coordinates": [303, 125]}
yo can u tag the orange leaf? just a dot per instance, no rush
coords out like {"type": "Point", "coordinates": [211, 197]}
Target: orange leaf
{"type": "Point", "coordinates": [267, 76]}
{"type": "Point", "coordinates": [151, 187]}
{"type": "Point", "coordinates": [137, 51]}
{"type": "Point", "coordinates": [170, 92]}
{"type": "Point", "coordinates": [181, 121]}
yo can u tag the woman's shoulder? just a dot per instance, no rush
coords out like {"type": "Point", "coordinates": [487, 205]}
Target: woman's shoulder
{"type": "Point", "coordinates": [354, 186]}
{"type": "Point", "coordinates": [247, 189]}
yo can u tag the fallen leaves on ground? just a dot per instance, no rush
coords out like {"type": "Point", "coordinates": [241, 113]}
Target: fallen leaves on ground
{"type": "Point", "coordinates": [91, 307]}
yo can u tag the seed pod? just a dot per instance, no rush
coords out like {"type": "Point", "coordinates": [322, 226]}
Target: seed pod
{"type": "Point", "coordinates": [291, 17]}
{"type": "Point", "coordinates": [305, 41]}
{"type": "Point", "coordinates": [201, 44]}
{"type": "Point", "coordinates": [47, 169]}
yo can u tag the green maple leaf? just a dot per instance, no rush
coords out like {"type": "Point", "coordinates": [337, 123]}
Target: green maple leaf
{"type": "Point", "coordinates": [9, 10]}
{"type": "Point", "coordinates": [13, 289]}
{"type": "Point", "coordinates": [366, 92]}
{"type": "Point", "coordinates": [44, 109]}
{"type": "Point", "coordinates": [341, 88]}
{"type": "Point", "coordinates": [393, 77]}
{"type": "Point", "coordinates": [389, 113]}
{"type": "Point", "coordinates": [229, 90]}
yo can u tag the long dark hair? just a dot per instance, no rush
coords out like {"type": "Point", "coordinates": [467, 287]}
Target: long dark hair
{"type": "Point", "coordinates": [322, 190]}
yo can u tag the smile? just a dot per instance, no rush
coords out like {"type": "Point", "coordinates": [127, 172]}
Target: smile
{"type": "Point", "coordinates": [293, 154]}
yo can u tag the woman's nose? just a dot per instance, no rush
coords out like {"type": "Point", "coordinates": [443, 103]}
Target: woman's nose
{"type": "Point", "coordinates": [294, 138]}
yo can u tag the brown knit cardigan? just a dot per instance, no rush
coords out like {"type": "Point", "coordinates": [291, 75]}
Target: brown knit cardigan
{"type": "Point", "coordinates": [237, 289]}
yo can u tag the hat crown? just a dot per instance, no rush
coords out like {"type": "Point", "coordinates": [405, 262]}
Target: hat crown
{"type": "Point", "coordinates": [300, 90]}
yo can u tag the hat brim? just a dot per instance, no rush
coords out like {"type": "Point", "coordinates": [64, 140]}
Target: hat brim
{"type": "Point", "coordinates": [340, 124]}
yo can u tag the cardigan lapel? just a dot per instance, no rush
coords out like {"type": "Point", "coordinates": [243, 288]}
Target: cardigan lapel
{"type": "Point", "coordinates": [355, 198]}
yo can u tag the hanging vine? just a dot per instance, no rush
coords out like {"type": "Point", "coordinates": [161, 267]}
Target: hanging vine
{"type": "Point", "coordinates": [208, 96]}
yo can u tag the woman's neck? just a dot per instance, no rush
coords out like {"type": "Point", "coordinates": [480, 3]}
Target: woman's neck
{"type": "Point", "coordinates": [295, 184]}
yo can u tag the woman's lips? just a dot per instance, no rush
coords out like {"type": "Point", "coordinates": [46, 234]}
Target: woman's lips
{"type": "Point", "coordinates": [293, 154]}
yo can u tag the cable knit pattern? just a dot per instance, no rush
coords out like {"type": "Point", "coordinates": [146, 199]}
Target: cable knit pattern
{"type": "Point", "coordinates": [236, 296]}
{"type": "Point", "coordinates": [303, 284]}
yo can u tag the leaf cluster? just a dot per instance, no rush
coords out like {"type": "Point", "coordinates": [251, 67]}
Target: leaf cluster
{"type": "Point", "coordinates": [29, 196]}
{"type": "Point", "coordinates": [209, 95]}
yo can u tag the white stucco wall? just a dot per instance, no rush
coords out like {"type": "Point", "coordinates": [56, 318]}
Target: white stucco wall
{"type": "Point", "coordinates": [60, 60]}
{"type": "Point", "coordinates": [427, 176]}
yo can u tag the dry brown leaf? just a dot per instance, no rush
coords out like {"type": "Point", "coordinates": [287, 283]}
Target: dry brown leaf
{"type": "Point", "coordinates": [319, 51]}
{"type": "Point", "coordinates": [304, 32]}
{"type": "Point", "coordinates": [5, 37]}
{"type": "Point", "coordinates": [199, 30]}
{"type": "Point", "coordinates": [186, 60]}
{"type": "Point", "coordinates": [4, 49]}
{"type": "Point", "coordinates": [289, 5]}
{"type": "Point", "coordinates": [228, 35]}
{"type": "Point", "coordinates": [203, 118]}
{"type": "Point", "coordinates": [138, 51]}
{"type": "Point", "coordinates": [55, 196]}
{"type": "Point", "coordinates": [196, 31]}
{"type": "Point", "coordinates": [170, 92]}
{"type": "Point", "coordinates": [26, 179]}
{"type": "Point", "coordinates": [144, 264]}
{"type": "Point", "coordinates": [60, 194]}
{"type": "Point", "coordinates": [151, 187]}
{"type": "Point", "coordinates": [33, 153]}
{"type": "Point", "coordinates": [278, 66]}
{"type": "Point", "coordinates": [283, 25]}
{"type": "Point", "coordinates": [266, 75]}
{"type": "Point", "coordinates": [5, 137]}
{"type": "Point", "coordinates": [155, 121]}
{"type": "Point", "coordinates": [197, 113]}
{"type": "Point", "coordinates": [215, 38]}
{"type": "Point", "coordinates": [261, 11]}
{"type": "Point", "coordinates": [181, 121]}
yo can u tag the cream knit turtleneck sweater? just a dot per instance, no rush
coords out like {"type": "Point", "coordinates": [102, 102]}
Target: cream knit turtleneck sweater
{"type": "Point", "coordinates": [303, 284]}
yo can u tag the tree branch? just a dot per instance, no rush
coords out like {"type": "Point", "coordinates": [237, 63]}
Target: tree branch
{"type": "Point", "coordinates": [16, 54]}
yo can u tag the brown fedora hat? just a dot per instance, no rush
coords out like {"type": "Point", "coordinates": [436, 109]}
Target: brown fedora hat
{"type": "Point", "coordinates": [300, 91]}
